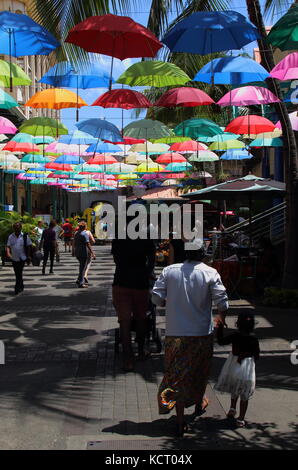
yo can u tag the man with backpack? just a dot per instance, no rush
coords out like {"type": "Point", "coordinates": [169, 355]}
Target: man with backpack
{"type": "Point", "coordinates": [18, 249]}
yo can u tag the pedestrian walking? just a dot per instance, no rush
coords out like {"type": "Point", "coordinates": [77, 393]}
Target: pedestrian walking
{"type": "Point", "coordinates": [82, 250]}
{"type": "Point", "coordinates": [19, 250]}
{"type": "Point", "coordinates": [92, 242]}
{"type": "Point", "coordinates": [67, 235]}
{"type": "Point", "coordinates": [38, 231]}
{"type": "Point", "coordinates": [59, 234]}
{"type": "Point", "coordinates": [188, 289]}
{"type": "Point", "coordinates": [238, 376]}
{"type": "Point", "coordinates": [48, 243]}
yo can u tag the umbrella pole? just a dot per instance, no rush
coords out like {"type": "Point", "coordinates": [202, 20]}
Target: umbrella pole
{"type": "Point", "coordinates": [77, 111]}
{"type": "Point", "coordinates": [10, 62]}
{"type": "Point", "coordinates": [250, 228]}
{"type": "Point", "coordinates": [111, 79]}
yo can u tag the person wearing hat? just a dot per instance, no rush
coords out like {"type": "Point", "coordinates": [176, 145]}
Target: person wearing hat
{"type": "Point", "coordinates": [188, 289]}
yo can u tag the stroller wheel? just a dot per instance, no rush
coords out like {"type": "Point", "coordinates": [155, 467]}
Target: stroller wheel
{"type": "Point", "coordinates": [157, 340]}
{"type": "Point", "coordinates": [117, 341]}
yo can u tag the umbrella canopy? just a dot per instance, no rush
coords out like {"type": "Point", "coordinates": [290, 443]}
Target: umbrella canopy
{"type": "Point", "coordinates": [6, 126]}
{"type": "Point", "coordinates": [294, 121]}
{"type": "Point", "coordinates": [248, 95]}
{"type": "Point", "coordinates": [236, 155]}
{"type": "Point", "coordinates": [2, 137]}
{"type": "Point", "coordinates": [78, 138]}
{"type": "Point", "coordinates": [103, 147]}
{"type": "Point", "coordinates": [204, 156]}
{"type": "Point", "coordinates": [86, 75]}
{"type": "Point", "coordinates": [58, 166]}
{"type": "Point", "coordinates": [287, 68]}
{"type": "Point", "coordinates": [196, 127]}
{"type": "Point", "coordinates": [70, 159]}
{"type": "Point", "coordinates": [39, 139]}
{"type": "Point", "coordinates": [31, 158]}
{"type": "Point", "coordinates": [22, 147]}
{"type": "Point", "coordinates": [266, 142]}
{"type": "Point", "coordinates": [22, 137]}
{"type": "Point", "coordinates": [250, 124]}
{"type": "Point", "coordinates": [188, 146]}
{"type": "Point", "coordinates": [170, 158]}
{"type": "Point", "coordinates": [241, 188]}
{"type": "Point", "coordinates": [178, 167]}
{"type": "Point", "coordinates": [6, 101]}
{"type": "Point", "coordinates": [58, 148]}
{"type": "Point", "coordinates": [101, 129]}
{"type": "Point", "coordinates": [153, 73]}
{"type": "Point", "coordinates": [264, 135]}
{"type": "Point", "coordinates": [146, 129]}
{"type": "Point", "coordinates": [227, 145]}
{"type": "Point", "coordinates": [12, 73]}
{"type": "Point", "coordinates": [124, 99]}
{"type": "Point", "coordinates": [102, 160]}
{"type": "Point", "coordinates": [56, 98]}
{"type": "Point", "coordinates": [172, 139]}
{"type": "Point", "coordinates": [116, 36]}
{"type": "Point", "coordinates": [220, 137]}
{"type": "Point", "coordinates": [231, 71]}
{"type": "Point", "coordinates": [149, 168]}
{"type": "Point", "coordinates": [43, 126]}
{"type": "Point", "coordinates": [184, 96]}
{"type": "Point", "coordinates": [207, 32]}
{"type": "Point", "coordinates": [135, 158]}
{"type": "Point", "coordinates": [20, 35]}
{"type": "Point", "coordinates": [284, 34]}
{"type": "Point", "coordinates": [149, 148]}
{"type": "Point", "coordinates": [120, 168]}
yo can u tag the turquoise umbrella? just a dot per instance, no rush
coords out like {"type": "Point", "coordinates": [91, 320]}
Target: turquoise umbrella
{"type": "Point", "coordinates": [196, 128]}
{"type": "Point", "coordinates": [6, 101]}
{"type": "Point", "coordinates": [267, 142]}
{"type": "Point", "coordinates": [31, 158]}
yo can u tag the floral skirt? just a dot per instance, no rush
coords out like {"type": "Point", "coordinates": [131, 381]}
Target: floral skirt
{"type": "Point", "coordinates": [187, 367]}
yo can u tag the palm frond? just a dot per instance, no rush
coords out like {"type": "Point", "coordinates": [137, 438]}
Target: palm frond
{"type": "Point", "coordinates": [273, 7]}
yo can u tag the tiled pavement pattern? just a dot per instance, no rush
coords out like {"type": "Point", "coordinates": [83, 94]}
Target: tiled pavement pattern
{"type": "Point", "coordinates": [62, 386]}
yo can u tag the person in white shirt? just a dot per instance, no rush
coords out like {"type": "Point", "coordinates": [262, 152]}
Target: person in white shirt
{"type": "Point", "coordinates": [38, 230]}
{"type": "Point", "coordinates": [17, 249]}
{"type": "Point", "coordinates": [188, 289]}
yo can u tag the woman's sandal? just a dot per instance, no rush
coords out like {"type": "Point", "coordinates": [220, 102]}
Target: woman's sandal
{"type": "Point", "coordinates": [240, 423]}
{"type": "Point", "coordinates": [180, 430]}
{"type": "Point", "coordinates": [231, 413]}
{"type": "Point", "coordinates": [200, 409]}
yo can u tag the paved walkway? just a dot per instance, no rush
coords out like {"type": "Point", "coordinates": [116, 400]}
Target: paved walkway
{"type": "Point", "coordinates": [62, 386]}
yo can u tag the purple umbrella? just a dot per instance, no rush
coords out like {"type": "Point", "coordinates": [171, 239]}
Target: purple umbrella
{"type": "Point", "coordinates": [287, 68]}
{"type": "Point", "coordinates": [248, 95]}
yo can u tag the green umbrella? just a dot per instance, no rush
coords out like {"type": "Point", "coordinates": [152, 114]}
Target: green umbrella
{"type": "Point", "coordinates": [227, 145]}
{"type": "Point", "coordinates": [219, 137]}
{"type": "Point", "coordinates": [153, 73]}
{"type": "Point", "coordinates": [203, 156]}
{"type": "Point", "coordinates": [19, 77]}
{"type": "Point", "coordinates": [284, 34]}
{"type": "Point", "coordinates": [197, 127]}
{"type": "Point", "coordinates": [170, 140]}
{"type": "Point", "coordinates": [6, 101]}
{"type": "Point", "coordinates": [43, 126]}
{"type": "Point", "coordinates": [30, 158]}
{"type": "Point", "coordinates": [146, 129]}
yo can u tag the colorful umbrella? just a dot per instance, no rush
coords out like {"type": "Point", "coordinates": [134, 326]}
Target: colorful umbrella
{"type": "Point", "coordinates": [21, 147]}
{"type": "Point", "coordinates": [146, 129]}
{"type": "Point", "coordinates": [149, 148]}
{"type": "Point", "coordinates": [120, 168]}
{"type": "Point", "coordinates": [135, 158]}
{"type": "Point", "coordinates": [153, 73]}
{"type": "Point", "coordinates": [248, 95]}
{"type": "Point", "coordinates": [78, 138]}
{"type": "Point", "coordinates": [12, 73]}
{"type": "Point", "coordinates": [39, 139]}
{"type": "Point", "coordinates": [172, 139]}
{"type": "Point", "coordinates": [58, 148]}
{"type": "Point", "coordinates": [6, 101]}
{"type": "Point", "coordinates": [31, 158]}
{"type": "Point", "coordinates": [184, 96]}
{"type": "Point", "coordinates": [178, 167]}
{"type": "Point", "coordinates": [170, 158]}
{"type": "Point", "coordinates": [231, 71]}
{"type": "Point", "coordinates": [287, 68]}
{"type": "Point", "coordinates": [227, 145]}
{"type": "Point", "coordinates": [204, 156]}
{"type": "Point", "coordinates": [102, 160]}
{"type": "Point", "coordinates": [294, 121]}
{"type": "Point", "coordinates": [207, 32]}
{"type": "Point", "coordinates": [125, 99]}
{"type": "Point", "coordinates": [58, 166]}
{"type": "Point", "coordinates": [250, 124]}
{"type": "Point", "coordinates": [284, 34]}
{"type": "Point", "coordinates": [236, 155]}
{"type": "Point", "coordinates": [100, 128]}
{"type": "Point", "coordinates": [266, 142]}
{"type": "Point", "coordinates": [70, 159]}
{"type": "Point", "coordinates": [220, 137]}
{"type": "Point", "coordinates": [6, 126]}
{"type": "Point", "coordinates": [196, 127]}
{"type": "Point", "coordinates": [188, 146]}
{"type": "Point", "coordinates": [103, 147]}
{"type": "Point", "coordinates": [43, 126]}
{"type": "Point", "coordinates": [149, 168]}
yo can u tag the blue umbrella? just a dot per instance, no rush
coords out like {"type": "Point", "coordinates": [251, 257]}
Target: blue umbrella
{"type": "Point", "coordinates": [219, 137]}
{"type": "Point", "coordinates": [104, 147]}
{"type": "Point", "coordinates": [69, 159]}
{"type": "Point", "coordinates": [231, 71]}
{"type": "Point", "coordinates": [236, 155]}
{"type": "Point", "coordinates": [207, 32]}
{"type": "Point", "coordinates": [20, 36]}
{"type": "Point", "coordinates": [101, 129]}
{"type": "Point", "coordinates": [77, 138]}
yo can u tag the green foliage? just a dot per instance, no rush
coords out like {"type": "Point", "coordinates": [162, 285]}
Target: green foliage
{"type": "Point", "coordinates": [287, 298]}
{"type": "Point", "coordinates": [7, 219]}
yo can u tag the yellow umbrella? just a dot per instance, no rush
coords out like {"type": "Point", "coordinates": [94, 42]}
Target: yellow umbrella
{"type": "Point", "coordinates": [149, 168]}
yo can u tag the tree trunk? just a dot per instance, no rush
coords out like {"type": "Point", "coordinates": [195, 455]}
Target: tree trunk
{"type": "Point", "coordinates": [290, 273]}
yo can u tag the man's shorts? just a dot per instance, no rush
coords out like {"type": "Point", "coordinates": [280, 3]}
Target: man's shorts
{"type": "Point", "coordinates": [130, 302]}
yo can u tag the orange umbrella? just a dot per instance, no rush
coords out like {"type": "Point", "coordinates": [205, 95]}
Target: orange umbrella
{"type": "Point", "coordinates": [56, 98]}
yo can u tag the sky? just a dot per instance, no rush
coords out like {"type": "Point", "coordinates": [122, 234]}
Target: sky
{"type": "Point", "coordinates": [114, 115]}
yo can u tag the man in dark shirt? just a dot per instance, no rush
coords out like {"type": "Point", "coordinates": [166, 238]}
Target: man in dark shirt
{"type": "Point", "coordinates": [48, 242]}
{"type": "Point", "coordinates": [134, 261]}
{"type": "Point", "coordinates": [82, 251]}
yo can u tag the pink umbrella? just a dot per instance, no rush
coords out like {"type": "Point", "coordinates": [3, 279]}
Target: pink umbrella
{"type": "Point", "coordinates": [170, 158]}
{"type": "Point", "coordinates": [294, 121]}
{"type": "Point", "coordinates": [23, 176]}
{"type": "Point", "coordinates": [189, 146]}
{"type": "Point", "coordinates": [248, 95]}
{"type": "Point", "coordinates": [183, 96]}
{"type": "Point", "coordinates": [66, 149]}
{"type": "Point", "coordinates": [6, 126]}
{"type": "Point", "coordinates": [287, 68]}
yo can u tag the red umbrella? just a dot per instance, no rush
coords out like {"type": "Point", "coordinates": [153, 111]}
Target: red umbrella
{"type": "Point", "coordinates": [26, 147]}
{"type": "Point", "coordinates": [102, 160]}
{"type": "Point", "coordinates": [125, 99]}
{"type": "Point", "coordinates": [250, 124]}
{"type": "Point", "coordinates": [184, 96]}
{"type": "Point", "coordinates": [58, 166]}
{"type": "Point", "coordinates": [189, 146]}
{"type": "Point", "coordinates": [170, 158]}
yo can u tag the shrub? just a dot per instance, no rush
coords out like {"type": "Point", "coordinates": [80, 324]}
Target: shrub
{"type": "Point", "coordinates": [280, 297]}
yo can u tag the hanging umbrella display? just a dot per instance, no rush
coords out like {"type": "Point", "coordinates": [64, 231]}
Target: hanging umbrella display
{"type": "Point", "coordinates": [149, 148]}
{"type": "Point", "coordinates": [115, 36]}
{"type": "Point", "coordinates": [188, 146]}
{"type": "Point", "coordinates": [58, 166]}
{"type": "Point", "coordinates": [248, 95]}
{"type": "Point", "coordinates": [220, 137]}
{"type": "Point", "coordinates": [120, 168]}
{"type": "Point", "coordinates": [178, 167]}
{"type": "Point", "coordinates": [196, 127]}
{"type": "Point", "coordinates": [69, 159]}
{"type": "Point", "coordinates": [100, 128]}
{"type": "Point", "coordinates": [227, 145]}
{"type": "Point", "coordinates": [78, 138]}
{"type": "Point", "coordinates": [231, 71]}
{"type": "Point", "coordinates": [146, 129]}
{"type": "Point", "coordinates": [12, 73]}
{"type": "Point", "coordinates": [43, 126]}
{"type": "Point", "coordinates": [39, 139]}
{"type": "Point", "coordinates": [124, 99]}
{"type": "Point", "coordinates": [127, 141]}
{"type": "Point", "coordinates": [102, 160]}
{"type": "Point", "coordinates": [2, 137]}
{"type": "Point", "coordinates": [32, 158]}
{"type": "Point", "coordinates": [266, 142]}
{"type": "Point", "coordinates": [6, 101]}
{"type": "Point", "coordinates": [184, 96]}
{"type": "Point", "coordinates": [135, 158]}
{"type": "Point", "coordinates": [250, 124]}
{"type": "Point", "coordinates": [170, 158]}
{"type": "Point", "coordinates": [21, 36]}
{"type": "Point", "coordinates": [6, 126]}
{"type": "Point", "coordinates": [287, 68]}
{"type": "Point", "coordinates": [294, 121]}
{"type": "Point", "coordinates": [284, 34]}
{"type": "Point", "coordinates": [206, 32]}
{"type": "Point", "coordinates": [172, 139]}
{"type": "Point", "coordinates": [149, 168]}
{"type": "Point", "coordinates": [204, 156]}
{"type": "Point", "coordinates": [58, 148]}
{"type": "Point", "coordinates": [103, 147]}
{"type": "Point", "coordinates": [21, 147]}
{"type": "Point", "coordinates": [153, 73]}
{"type": "Point", "coordinates": [264, 135]}
{"type": "Point", "coordinates": [236, 155]}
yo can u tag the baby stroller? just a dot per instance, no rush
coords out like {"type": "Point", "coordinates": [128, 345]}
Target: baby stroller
{"type": "Point", "coordinates": [153, 334]}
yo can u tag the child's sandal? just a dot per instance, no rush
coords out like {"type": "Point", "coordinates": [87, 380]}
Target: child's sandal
{"type": "Point", "coordinates": [231, 413]}
{"type": "Point", "coordinates": [240, 423]}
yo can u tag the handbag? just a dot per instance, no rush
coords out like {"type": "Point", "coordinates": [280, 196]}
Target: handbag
{"type": "Point", "coordinates": [37, 258]}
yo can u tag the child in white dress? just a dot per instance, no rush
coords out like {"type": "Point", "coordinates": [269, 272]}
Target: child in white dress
{"type": "Point", "coordinates": [238, 375]}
